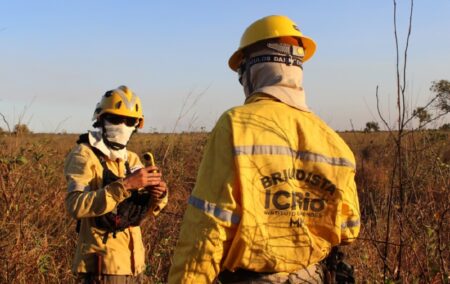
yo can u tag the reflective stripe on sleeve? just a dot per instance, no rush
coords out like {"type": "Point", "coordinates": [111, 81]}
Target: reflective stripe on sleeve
{"type": "Point", "coordinates": [73, 186]}
{"type": "Point", "coordinates": [350, 224]}
{"type": "Point", "coordinates": [286, 151]}
{"type": "Point", "coordinates": [212, 209]}
{"type": "Point", "coordinates": [135, 168]}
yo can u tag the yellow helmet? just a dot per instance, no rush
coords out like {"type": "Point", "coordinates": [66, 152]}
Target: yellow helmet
{"type": "Point", "coordinates": [267, 28]}
{"type": "Point", "coordinates": [121, 101]}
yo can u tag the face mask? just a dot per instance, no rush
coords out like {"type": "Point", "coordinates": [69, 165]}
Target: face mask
{"type": "Point", "coordinates": [284, 82]}
{"type": "Point", "coordinates": [117, 136]}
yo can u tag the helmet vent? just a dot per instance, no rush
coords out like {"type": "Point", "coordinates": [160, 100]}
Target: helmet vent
{"type": "Point", "coordinates": [108, 94]}
{"type": "Point", "coordinates": [137, 107]}
{"type": "Point", "coordinates": [118, 104]}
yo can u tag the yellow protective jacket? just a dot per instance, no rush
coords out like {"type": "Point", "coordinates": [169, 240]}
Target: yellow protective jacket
{"type": "Point", "coordinates": [275, 191]}
{"type": "Point", "coordinates": [87, 198]}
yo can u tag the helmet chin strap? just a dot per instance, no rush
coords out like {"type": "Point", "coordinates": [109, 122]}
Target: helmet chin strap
{"type": "Point", "coordinates": [114, 145]}
{"type": "Point", "coordinates": [111, 144]}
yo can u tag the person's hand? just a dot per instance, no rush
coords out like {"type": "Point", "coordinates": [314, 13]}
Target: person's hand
{"type": "Point", "coordinates": [157, 191]}
{"type": "Point", "coordinates": [142, 178]}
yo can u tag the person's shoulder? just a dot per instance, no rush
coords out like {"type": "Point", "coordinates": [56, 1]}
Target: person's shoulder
{"type": "Point", "coordinates": [133, 158]}
{"type": "Point", "coordinates": [236, 110]}
{"type": "Point", "coordinates": [232, 109]}
{"type": "Point", "coordinates": [80, 150]}
{"type": "Point", "coordinates": [225, 116]}
{"type": "Point", "coordinates": [132, 155]}
{"type": "Point", "coordinates": [80, 156]}
{"type": "Point", "coordinates": [332, 137]}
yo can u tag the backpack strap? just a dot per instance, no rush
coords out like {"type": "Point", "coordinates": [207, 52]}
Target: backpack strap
{"type": "Point", "coordinates": [78, 227]}
{"type": "Point", "coordinates": [127, 167]}
{"type": "Point", "coordinates": [83, 138]}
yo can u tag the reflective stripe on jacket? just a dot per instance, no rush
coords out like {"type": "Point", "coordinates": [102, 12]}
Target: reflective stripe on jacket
{"type": "Point", "coordinates": [275, 191]}
{"type": "Point", "coordinates": [86, 197]}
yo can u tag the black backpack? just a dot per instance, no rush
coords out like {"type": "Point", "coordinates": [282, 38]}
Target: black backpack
{"type": "Point", "coordinates": [129, 212]}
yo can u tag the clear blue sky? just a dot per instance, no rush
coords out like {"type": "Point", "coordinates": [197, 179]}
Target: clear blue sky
{"type": "Point", "coordinates": [57, 58]}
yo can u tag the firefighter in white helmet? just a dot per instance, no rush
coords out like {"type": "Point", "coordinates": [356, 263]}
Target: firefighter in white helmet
{"type": "Point", "coordinates": [275, 190]}
{"type": "Point", "coordinates": [110, 192]}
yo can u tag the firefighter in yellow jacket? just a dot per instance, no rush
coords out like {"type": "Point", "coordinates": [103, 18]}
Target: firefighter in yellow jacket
{"type": "Point", "coordinates": [110, 192]}
{"type": "Point", "coordinates": [275, 189]}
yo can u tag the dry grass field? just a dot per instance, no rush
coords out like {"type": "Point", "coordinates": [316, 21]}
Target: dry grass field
{"type": "Point", "coordinates": [37, 237]}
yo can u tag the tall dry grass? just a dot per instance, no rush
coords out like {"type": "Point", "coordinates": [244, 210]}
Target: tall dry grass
{"type": "Point", "coordinates": [37, 237]}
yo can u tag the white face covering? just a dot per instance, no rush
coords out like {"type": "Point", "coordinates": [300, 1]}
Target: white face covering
{"type": "Point", "coordinates": [96, 140]}
{"type": "Point", "coordinates": [119, 133]}
{"type": "Point", "coordinates": [284, 82]}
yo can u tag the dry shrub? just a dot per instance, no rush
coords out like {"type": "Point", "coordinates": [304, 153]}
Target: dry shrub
{"type": "Point", "coordinates": [36, 235]}
{"type": "Point", "coordinates": [423, 220]}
